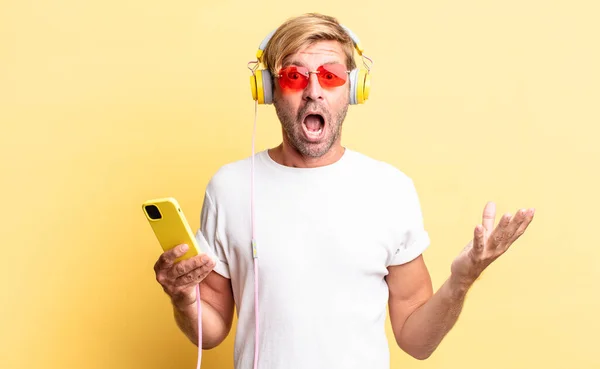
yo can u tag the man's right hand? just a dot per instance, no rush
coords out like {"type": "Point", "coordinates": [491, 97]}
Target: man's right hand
{"type": "Point", "coordinates": [179, 279]}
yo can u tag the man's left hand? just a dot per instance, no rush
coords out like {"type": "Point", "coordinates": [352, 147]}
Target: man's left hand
{"type": "Point", "coordinates": [489, 243]}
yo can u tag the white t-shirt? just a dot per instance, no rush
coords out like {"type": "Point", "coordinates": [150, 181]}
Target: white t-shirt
{"type": "Point", "coordinates": [325, 237]}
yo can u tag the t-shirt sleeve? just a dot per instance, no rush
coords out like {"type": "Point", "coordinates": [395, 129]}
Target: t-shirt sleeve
{"type": "Point", "coordinates": [411, 237]}
{"type": "Point", "coordinates": [208, 237]}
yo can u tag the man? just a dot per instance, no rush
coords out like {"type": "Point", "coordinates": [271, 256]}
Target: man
{"type": "Point", "coordinates": [340, 235]}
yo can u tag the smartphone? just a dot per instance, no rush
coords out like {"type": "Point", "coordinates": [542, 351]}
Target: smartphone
{"type": "Point", "coordinates": [170, 226]}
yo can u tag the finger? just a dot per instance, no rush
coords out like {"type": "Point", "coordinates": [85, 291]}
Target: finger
{"type": "Point", "coordinates": [195, 276]}
{"type": "Point", "coordinates": [167, 258]}
{"type": "Point", "coordinates": [528, 217]}
{"type": "Point", "coordinates": [489, 216]}
{"type": "Point", "coordinates": [515, 223]}
{"type": "Point", "coordinates": [478, 239]}
{"type": "Point", "coordinates": [185, 266]}
{"type": "Point", "coordinates": [498, 236]}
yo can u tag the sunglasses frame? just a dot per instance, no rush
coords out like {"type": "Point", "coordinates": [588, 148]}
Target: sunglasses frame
{"type": "Point", "coordinates": [309, 72]}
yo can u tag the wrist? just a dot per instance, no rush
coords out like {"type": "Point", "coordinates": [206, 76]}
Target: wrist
{"type": "Point", "coordinates": [184, 303]}
{"type": "Point", "coordinates": [183, 307]}
{"type": "Point", "coordinates": [459, 285]}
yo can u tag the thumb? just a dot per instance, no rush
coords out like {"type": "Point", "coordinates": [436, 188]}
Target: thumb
{"type": "Point", "coordinates": [478, 239]}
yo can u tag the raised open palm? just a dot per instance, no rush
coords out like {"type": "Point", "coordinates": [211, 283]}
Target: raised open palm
{"type": "Point", "coordinates": [489, 243]}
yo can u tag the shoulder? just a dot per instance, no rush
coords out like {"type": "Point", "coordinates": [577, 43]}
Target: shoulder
{"type": "Point", "coordinates": [378, 170]}
{"type": "Point", "coordinates": [232, 171]}
{"type": "Point", "coordinates": [230, 178]}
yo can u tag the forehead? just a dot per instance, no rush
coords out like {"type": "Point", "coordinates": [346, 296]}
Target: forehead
{"type": "Point", "coordinates": [317, 53]}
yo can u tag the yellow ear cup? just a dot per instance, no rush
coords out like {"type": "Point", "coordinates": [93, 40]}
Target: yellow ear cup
{"type": "Point", "coordinates": [363, 86]}
{"type": "Point", "coordinates": [253, 86]}
{"type": "Point", "coordinates": [258, 87]}
{"type": "Point", "coordinates": [367, 87]}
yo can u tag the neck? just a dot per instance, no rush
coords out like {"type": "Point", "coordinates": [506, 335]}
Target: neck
{"type": "Point", "coordinates": [289, 156]}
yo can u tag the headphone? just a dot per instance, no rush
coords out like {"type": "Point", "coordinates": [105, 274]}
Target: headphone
{"type": "Point", "coordinates": [261, 81]}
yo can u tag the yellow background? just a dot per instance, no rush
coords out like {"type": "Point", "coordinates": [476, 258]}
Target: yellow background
{"type": "Point", "coordinates": [105, 104]}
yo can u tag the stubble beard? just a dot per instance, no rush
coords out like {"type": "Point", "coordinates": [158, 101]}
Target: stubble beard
{"type": "Point", "coordinates": [292, 126]}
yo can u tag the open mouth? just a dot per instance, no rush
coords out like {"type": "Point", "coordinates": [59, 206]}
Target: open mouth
{"type": "Point", "coordinates": [313, 125]}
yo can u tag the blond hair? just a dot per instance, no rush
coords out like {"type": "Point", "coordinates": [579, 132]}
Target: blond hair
{"type": "Point", "coordinates": [299, 32]}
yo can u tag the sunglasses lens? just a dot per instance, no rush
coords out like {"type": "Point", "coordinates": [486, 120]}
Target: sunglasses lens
{"type": "Point", "coordinates": [332, 75]}
{"type": "Point", "coordinates": [293, 78]}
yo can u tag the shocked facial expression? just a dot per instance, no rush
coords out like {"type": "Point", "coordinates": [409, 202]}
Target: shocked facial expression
{"type": "Point", "coordinates": [311, 97]}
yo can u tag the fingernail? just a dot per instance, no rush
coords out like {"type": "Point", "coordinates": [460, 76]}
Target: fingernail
{"type": "Point", "coordinates": [204, 259]}
{"type": "Point", "coordinates": [184, 247]}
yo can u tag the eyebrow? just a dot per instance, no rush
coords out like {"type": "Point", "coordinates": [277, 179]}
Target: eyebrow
{"type": "Point", "coordinates": [301, 64]}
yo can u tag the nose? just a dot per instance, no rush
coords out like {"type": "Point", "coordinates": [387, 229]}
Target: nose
{"type": "Point", "coordinates": [313, 91]}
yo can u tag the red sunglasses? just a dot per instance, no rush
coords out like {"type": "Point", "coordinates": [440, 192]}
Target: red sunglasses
{"type": "Point", "coordinates": [295, 78]}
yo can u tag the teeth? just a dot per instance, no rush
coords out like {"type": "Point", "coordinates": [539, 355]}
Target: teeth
{"type": "Point", "coordinates": [315, 133]}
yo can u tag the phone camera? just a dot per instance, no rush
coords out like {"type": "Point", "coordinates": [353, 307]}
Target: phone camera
{"type": "Point", "coordinates": [153, 212]}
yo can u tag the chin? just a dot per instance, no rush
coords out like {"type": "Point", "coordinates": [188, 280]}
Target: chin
{"type": "Point", "coordinates": [314, 149]}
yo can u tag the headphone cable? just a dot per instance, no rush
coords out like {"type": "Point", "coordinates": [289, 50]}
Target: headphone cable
{"type": "Point", "coordinates": [199, 306]}
{"type": "Point", "coordinates": [254, 248]}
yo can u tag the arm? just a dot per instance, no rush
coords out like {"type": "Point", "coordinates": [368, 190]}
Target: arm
{"type": "Point", "coordinates": [419, 319]}
{"type": "Point", "coordinates": [217, 312]}
{"type": "Point", "coordinates": [179, 282]}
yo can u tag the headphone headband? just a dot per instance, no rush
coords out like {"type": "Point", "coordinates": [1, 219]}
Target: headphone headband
{"type": "Point", "coordinates": [266, 40]}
